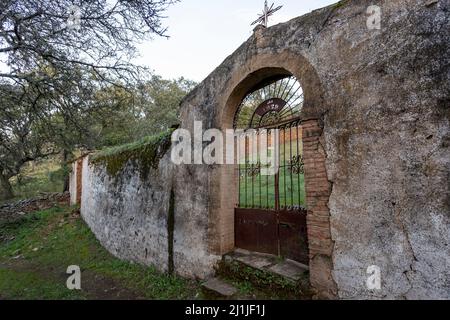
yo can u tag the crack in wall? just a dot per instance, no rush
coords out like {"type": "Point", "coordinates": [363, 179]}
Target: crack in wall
{"type": "Point", "coordinates": [322, 144]}
{"type": "Point", "coordinates": [409, 247]}
{"type": "Point", "coordinates": [170, 232]}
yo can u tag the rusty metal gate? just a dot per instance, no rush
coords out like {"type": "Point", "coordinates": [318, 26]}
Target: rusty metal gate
{"type": "Point", "coordinates": [271, 215]}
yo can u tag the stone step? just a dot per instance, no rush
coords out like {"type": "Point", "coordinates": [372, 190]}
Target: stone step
{"type": "Point", "coordinates": [218, 287]}
{"type": "Point", "coordinates": [288, 269]}
{"type": "Point", "coordinates": [265, 271]}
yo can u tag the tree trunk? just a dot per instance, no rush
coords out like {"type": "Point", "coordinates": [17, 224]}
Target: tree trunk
{"type": "Point", "coordinates": [6, 191]}
{"type": "Point", "coordinates": [65, 157]}
{"type": "Point", "coordinates": [19, 179]}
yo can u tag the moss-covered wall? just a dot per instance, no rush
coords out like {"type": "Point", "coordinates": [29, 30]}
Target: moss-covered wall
{"type": "Point", "coordinates": [129, 213]}
{"type": "Point", "coordinates": [140, 207]}
{"type": "Point", "coordinates": [147, 152]}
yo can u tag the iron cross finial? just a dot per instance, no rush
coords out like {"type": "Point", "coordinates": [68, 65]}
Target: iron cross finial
{"type": "Point", "coordinates": [264, 17]}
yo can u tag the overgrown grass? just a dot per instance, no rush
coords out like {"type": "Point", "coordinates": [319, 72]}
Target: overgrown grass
{"type": "Point", "coordinates": [29, 285]}
{"type": "Point", "coordinates": [33, 264]}
{"type": "Point", "coordinates": [45, 176]}
{"type": "Point", "coordinates": [36, 251]}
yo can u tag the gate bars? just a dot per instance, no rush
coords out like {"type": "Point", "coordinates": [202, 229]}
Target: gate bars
{"type": "Point", "coordinates": [284, 190]}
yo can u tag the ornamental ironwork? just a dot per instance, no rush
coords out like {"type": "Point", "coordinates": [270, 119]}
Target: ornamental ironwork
{"type": "Point", "coordinates": [279, 101]}
{"type": "Point", "coordinates": [297, 165]}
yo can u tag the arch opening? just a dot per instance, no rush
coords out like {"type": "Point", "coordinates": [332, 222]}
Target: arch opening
{"type": "Point", "coordinates": [275, 101]}
{"type": "Point", "coordinates": [270, 215]}
{"type": "Point", "coordinates": [250, 76]}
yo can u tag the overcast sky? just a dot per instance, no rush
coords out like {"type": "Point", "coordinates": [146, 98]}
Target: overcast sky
{"type": "Point", "coordinates": [204, 32]}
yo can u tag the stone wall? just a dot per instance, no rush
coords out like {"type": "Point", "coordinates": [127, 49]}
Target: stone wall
{"type": "Point", "coordinates": [381, 99]}
{"type": "Point", "coordinates": [377, 111]}
{"type": "Point", "coordinates": [75, 180]}
{"type": "Point", "coordinates": [137, 213]}
{"type": "Point", "coordinates": [128, 214]}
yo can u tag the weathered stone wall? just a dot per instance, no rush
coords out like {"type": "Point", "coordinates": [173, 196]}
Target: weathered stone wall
{"type": "Point", "coordinates": [193, 241]}
{"type": "Point", "coordinates": [386, 136]}
{"type": "Point", "coordinates": [127, 213]}
{"type": "Point", "coordinates": [382, 100]}
{"type": "Point", "coordinates": [378, 102]}
{"type": "Point", "coordinates": [126, 201]}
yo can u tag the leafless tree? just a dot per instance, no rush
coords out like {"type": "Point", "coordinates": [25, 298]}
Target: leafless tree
{"type": "Point", "coordinates": [54, 57]}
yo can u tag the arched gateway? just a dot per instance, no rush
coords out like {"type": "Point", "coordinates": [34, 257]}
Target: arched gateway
{"type": "Point", "coordinates": [270, 216]}
{"type": "Point", "coordinates": [278, 92]}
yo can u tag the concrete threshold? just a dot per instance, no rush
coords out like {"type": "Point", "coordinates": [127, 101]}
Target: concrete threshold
{"type": "Point", "coordinates": [288, 269]}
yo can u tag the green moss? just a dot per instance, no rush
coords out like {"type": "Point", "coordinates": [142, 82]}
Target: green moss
{"type": "Point", "coordinates": [147, 152]}
{"type": "Point", "coordinates": [264, 280]}
{"type": "Point", "coordinates": [340, 4]}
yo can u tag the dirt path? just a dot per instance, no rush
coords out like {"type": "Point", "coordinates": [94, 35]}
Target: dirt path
{"type": "Point", "coordinates": [93, 286]}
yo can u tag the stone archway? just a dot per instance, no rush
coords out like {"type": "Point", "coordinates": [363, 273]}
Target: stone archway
{"type": "Point", "coordinates": [387, 207]}
{"type": "Point", "coordinates": [318, 188]}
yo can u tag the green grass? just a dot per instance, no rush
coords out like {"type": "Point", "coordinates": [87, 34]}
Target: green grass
{"type": "Point", "coordinates": [45, 176]}
{"type": "Point", "coordinates": [29, 285]}
{"type": "Point", "coordinates": [36, 251]}
{"type": "Point", "coordinates": [33, 264]}
{"type": "Point", "coordinates": [340, 4]}
{"type": "Point", "coordinates": [258, 191]}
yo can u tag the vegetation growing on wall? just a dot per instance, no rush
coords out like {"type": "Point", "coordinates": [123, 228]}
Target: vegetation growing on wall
{"type": "Point", "coordinates": [147, 152]}
{"type": "Point", "coordinates": [340, 4]}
